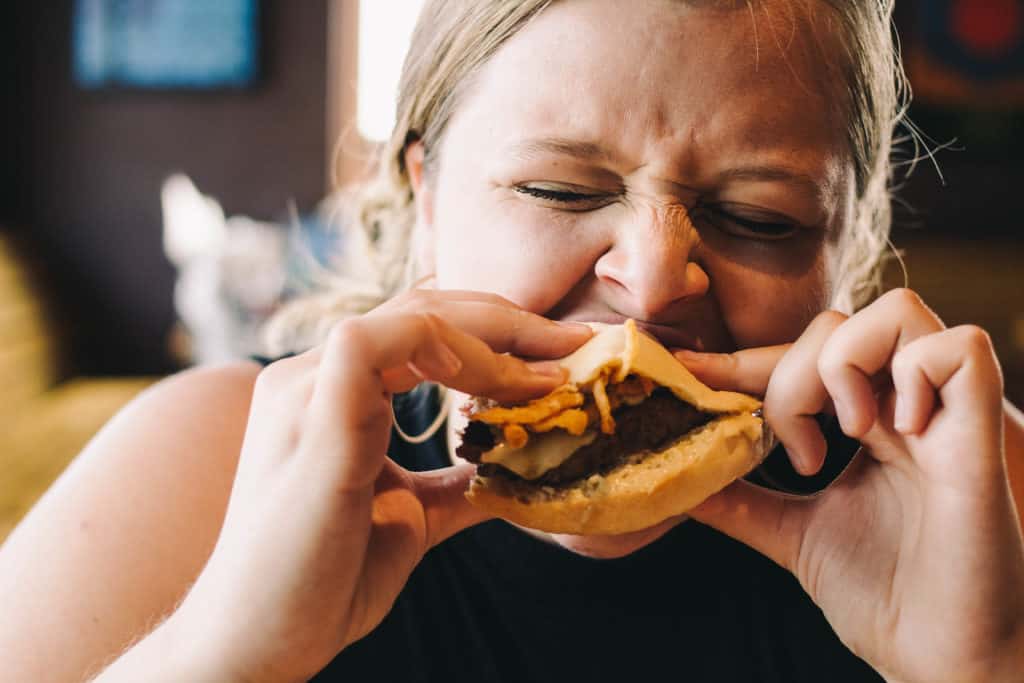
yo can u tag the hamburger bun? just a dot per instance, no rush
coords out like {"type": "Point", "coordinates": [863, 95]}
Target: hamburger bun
{"type": "Point", "coordinates": [642, 488]}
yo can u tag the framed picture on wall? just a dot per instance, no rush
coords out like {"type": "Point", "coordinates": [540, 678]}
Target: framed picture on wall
{"type": "Point", "coordinates": [165, 44]}
{"type": "Point", "coordinates": [967, 53]}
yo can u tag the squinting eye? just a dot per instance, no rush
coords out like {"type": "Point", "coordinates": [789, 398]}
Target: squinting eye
{"type": "Point", "coordinates": [749, 228]}
{"type": "Point", "coordinates": [568, 199]}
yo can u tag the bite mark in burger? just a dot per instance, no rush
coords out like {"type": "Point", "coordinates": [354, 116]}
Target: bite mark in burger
{"type": "Point", "coordinates": [631, 439]}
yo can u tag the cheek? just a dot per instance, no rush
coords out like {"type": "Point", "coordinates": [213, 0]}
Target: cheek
{"type": "Point", "coordinates": [762, 308]}
{"type": "Point", "coordinates": [512, 251]}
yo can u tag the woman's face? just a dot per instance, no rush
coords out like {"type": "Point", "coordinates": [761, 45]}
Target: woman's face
{"type": "Point", "coordinates": [676, 164]}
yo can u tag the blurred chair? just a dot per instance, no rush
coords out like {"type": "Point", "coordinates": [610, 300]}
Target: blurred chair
{"type": "Point", "coordinates": [47, 414]}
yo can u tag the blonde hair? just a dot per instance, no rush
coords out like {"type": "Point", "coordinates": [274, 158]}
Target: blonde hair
{"type": "Point", "coordinates": [453, 39]}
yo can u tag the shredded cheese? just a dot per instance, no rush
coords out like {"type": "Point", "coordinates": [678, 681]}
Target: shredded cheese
{"type": "Point", "coordinates": [603, 406]}
{"type": "Point", "coordinates": [515, 436]}
{"type": "Point", "coordinates": [540, 409]}
{"type": "Point", "coordinates": [573, 421]}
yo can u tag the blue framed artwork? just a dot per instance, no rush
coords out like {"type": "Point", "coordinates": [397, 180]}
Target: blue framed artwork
{"type": "Point", "coordinates": [165, 44]}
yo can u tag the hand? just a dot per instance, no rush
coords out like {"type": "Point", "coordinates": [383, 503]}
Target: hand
{"type": "Point", "coordinates": [322, 529]}
{"type": "Point", "coordinates": [915, 555]}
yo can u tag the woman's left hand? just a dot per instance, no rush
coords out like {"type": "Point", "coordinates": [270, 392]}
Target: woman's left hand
{"type": "Point", "coordinates": [915, 555]}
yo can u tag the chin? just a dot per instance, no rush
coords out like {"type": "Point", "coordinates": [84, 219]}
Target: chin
{"type": "Point", "coordinates": [613, 546]}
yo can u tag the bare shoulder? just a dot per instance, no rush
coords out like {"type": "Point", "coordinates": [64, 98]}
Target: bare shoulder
{"type": "Point", "coordinates": [115, 543]}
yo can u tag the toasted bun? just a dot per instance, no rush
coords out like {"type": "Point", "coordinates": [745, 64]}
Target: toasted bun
{"type": "Point", "coordinates": [651, 486]}
{"type": "Point", "coordinates": [636, 495]}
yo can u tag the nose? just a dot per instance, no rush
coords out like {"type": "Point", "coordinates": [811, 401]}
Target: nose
{"type": "Point", "coordinates": [649, 269]}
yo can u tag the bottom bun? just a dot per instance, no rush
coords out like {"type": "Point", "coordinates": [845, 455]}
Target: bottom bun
{"type": "Point", "coordinates": [640, 493]}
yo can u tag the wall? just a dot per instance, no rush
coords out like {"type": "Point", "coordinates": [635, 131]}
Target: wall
{"type": "Point", "coordinates": [8, 105]}
{"type": "Point", "coordinates": [91, 163]}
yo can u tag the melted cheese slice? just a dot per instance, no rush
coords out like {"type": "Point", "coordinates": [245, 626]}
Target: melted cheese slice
{"type": "Point", "coordinates": [626, 350]}
{"type": "Point", "coordinates": [540, 454]}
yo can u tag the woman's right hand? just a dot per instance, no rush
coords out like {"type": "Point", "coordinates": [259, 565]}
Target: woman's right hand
{"type": "Point", "coordinates": [322, 528]}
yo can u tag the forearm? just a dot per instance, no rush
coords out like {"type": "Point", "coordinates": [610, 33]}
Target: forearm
{"type": "Point", "coordinates": [1012, 665]}
{"type": "Point", "coordinates": [169, 653]}
{"type": "Point", "coordinates": [1014, 440]}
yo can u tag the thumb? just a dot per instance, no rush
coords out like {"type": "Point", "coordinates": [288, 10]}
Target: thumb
{"type": "Point", "coordinates": [772, 525]}
{"type": "Point", "coordinates": [443, 495]}
{"type": "Point", "coordinates": [747, 370]}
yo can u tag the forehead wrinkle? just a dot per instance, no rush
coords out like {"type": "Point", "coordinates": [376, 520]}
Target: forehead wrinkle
{"type": "Point", "coordinates": [662, 128]}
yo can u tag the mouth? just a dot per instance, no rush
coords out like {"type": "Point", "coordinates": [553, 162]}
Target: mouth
{"type": "Point", "coordinates": [670, 337]}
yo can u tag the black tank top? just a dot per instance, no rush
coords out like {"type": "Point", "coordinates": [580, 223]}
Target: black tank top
{"type": "Point", "coordinates": [495, 604]}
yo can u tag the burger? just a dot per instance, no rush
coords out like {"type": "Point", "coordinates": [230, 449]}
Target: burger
{"type": "Point", "coordinates": [631, 439]}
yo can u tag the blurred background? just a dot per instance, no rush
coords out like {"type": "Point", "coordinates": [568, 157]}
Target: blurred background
{"type": "Point", "coordinates": [111, 275]}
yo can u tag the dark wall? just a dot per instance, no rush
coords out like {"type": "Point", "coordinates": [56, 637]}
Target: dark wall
{"type": "Point", "coordinates": [8, 118]}
{"type": "Point", "coordinates": [961, 233]}
{"type": "Point", "coordinates": [91, 163]}
{"type": "Point", "coordinates": [981, 165]}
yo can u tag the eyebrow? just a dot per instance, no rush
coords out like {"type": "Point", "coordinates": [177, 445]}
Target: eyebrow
{"type": "Point", "coordinates": [587, 151]}
{"type": "Point", "coordinates": [775, 174]}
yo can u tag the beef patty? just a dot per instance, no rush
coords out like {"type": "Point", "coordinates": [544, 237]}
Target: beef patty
{"type": "Point", "coordinates": [651, 425]}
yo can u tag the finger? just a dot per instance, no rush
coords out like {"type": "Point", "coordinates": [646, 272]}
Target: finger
{"type": "Point", "coordinates": [957, 367]}
{"type": "Point", "coordinates": [414, 299]}
{"type": "Point", "coordinates": [864, 346]}
{"type": "Point", "coordinates": [504, 326]}
{"type": "Point", "coordinates": [747, 370]}
{"type": "Point", "coordinates": [443, 495]}
{"type": "Point", "coordinates": [359, 351]}
{"type": "Point", "coordinates": [771, 525]}
{"type": "Point", "coordinates": [402, 379]}
{"type": "Point", "coordinates": [349, 412]}
{"type": "Point", "coordinates": [399, 380]}
{"type": "Point", "coordinates": [796, 395]}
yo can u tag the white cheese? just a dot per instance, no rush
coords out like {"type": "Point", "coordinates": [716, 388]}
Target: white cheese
{"type": "Point", "coordinates": [540, 454]}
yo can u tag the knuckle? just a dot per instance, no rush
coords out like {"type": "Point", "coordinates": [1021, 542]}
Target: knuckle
{"type": "Point", "coordinates": [976, 339]}
{"type": "Point", "coordinates": [347, 337]}
{"type": "Point", "coordinates": [277, 376]}
{"type": "Point", "coordinates": [429, 324]}
{"type": "Point", "coordinates": [779, 393]}
{"type": "Point", "coordinates": [729, 362]}
{"type": "Point", "coordinates": [412, 297]}
{"type": "Point", "coordinates": [507, 371]}
{"type": "Point", "coordinates": [904, 361]}
{"type": "Point", "coordinates": [904, 298]}
{"type": "Point", "coordinates": [267, 380]}
{"type": "Point", "coordinates": [424, 301]}
{"type": "Point", "coordinates": [413, 300]}
{"type": "Point", "coordinates": [830, 319]}
{"type": "Point", "coordinates": [519, 320]}
{"type": "Point", "coordinates": [831, 361]}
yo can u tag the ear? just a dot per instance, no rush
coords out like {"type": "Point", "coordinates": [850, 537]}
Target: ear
{"type": "Point", "coordinates": [423, 199]}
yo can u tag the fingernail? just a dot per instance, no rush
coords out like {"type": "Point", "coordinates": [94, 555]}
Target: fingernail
{"type": "Point", "coordinates": [690, 357]}
{"type": "Point", "coordinates": [548, 369]}
{"type": "Point", "coordinates": [804, 461]}
{"type": "Point", "coordinates": [575, 327]}
{"type": "Point", "coordinates": [796, 459]}
{"type": "Point", "coordinates": [449, 363]}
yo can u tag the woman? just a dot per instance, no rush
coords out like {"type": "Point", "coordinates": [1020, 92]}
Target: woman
{"type": "Point", "coordinates": [717, 172]}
